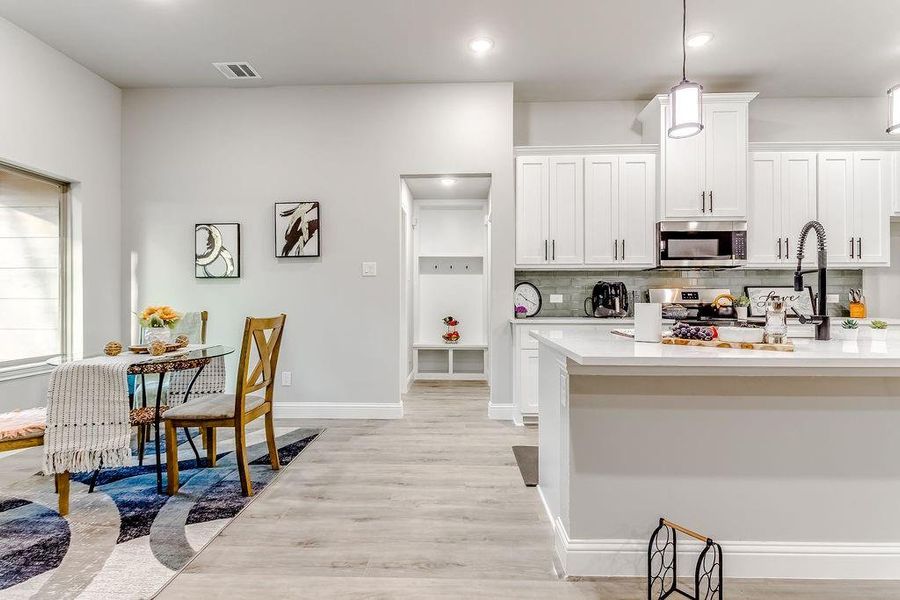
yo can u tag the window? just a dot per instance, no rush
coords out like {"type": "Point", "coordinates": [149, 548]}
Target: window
{"type": "Point", "coordinates": [33, 253]}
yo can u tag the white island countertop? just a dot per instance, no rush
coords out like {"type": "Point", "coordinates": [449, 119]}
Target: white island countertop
{"type": "Point", "coordinates": [591, 348]}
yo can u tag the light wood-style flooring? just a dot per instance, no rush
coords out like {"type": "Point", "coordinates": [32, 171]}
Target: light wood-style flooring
{"type": "Point", "coordinates": [429, 506]}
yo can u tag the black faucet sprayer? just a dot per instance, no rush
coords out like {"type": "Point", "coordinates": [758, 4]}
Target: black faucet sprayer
{"type": "Point", "coordinates": [821, 320]}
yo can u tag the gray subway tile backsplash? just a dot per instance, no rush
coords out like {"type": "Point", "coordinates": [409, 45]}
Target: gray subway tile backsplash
{"type": "Point", "coordinates": [575, 286]}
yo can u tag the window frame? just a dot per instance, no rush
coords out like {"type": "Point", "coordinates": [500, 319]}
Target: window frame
{"type": "Point", "coordinates": [36, 365]}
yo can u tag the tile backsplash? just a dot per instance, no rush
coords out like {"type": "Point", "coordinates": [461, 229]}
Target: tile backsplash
{"type": "Point", "coordinates": [575, 286]}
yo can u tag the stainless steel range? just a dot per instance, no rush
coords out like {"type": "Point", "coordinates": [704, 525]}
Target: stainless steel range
{"type": "Point", "coordinates": [695, 304]}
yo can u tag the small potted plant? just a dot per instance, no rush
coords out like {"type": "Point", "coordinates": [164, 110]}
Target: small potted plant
{"type": "Point", "coordinates": [521, 311]}
{"type": "Point", "coordinates": [741, 306]}
{"type": "Point", "coordinates": [879, 330]}
{"type": "Point", "coordinates": [850, 329]}
{"type": "Point", "coordinates": [452, 335]}
{"type": "Point", "coordinates": [158, 323]}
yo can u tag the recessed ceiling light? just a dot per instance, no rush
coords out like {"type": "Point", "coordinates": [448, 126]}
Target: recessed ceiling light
{"type": "Point", "coordinates": [481, 45]}
{"type": "Point", "coordinates": [448, 181]}
{"type": "Point", "coordinates": [699, 39]}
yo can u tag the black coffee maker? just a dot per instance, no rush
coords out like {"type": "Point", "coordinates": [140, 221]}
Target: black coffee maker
{"type": "Point", "coordinates": [609, 299]}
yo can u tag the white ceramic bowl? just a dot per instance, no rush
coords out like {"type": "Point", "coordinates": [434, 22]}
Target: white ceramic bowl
{"type": "Point", "coordinates": [749, 335]}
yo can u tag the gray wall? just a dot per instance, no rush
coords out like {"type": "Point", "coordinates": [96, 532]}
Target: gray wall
{"type": "Point", "coordinates": [227, 155]}
{"type": "Point", "coordinates": [575, 286]}
{"type": "Point", "coordinates": [771, 120]}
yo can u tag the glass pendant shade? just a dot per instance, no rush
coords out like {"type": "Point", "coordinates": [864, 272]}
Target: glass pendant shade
{"type": "Point", "coordinates": [894, 110]}
{"type": "Point", "coordinates": [686, 111]}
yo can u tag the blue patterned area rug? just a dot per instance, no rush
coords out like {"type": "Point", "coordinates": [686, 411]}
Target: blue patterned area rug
{"type": "Point", "coordinates": [124, 540]}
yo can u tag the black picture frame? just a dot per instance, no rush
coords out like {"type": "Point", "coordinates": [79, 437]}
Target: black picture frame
{"type": "Point", "coordinates": [218, 255]}
{"type": "Point", "coordinates": [288, 233]}
{"type": "Point", "coordinates": [761, 312]}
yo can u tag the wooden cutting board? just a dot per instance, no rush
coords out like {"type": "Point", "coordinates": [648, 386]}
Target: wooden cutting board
{"type": "Point", "coordinates": [731, 345]}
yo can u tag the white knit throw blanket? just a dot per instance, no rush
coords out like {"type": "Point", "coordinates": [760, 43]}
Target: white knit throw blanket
{"type": "Point", "coordinates": [88, 416]}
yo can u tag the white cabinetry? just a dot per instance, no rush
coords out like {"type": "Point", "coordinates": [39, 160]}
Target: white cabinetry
{"type": "Point", "coordinates": [703, 176]}
{"type": "Point", "coordinates": [854, 205]}
{"type": "Point", "coordinates": [596, 210]}
{"type": "Point", "coordinates": [566, 233]}
{"type": "Point", "coordinates": [782, 200]}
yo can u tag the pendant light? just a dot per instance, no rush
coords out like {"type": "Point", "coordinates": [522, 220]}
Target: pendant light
{"type": "Point", "coordinates": [894, 110]}
{"type": "Point", "coordinates": [685, 99]}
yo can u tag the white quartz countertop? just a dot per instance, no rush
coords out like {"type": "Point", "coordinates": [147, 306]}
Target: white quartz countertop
{"type": "Point", "coordinates": [593, 348]}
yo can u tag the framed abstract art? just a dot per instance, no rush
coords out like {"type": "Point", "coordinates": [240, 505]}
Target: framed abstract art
{"type": "Point", "coordinates": [297, 229]}
{"type": "Point", "coordinates": [217, 250]}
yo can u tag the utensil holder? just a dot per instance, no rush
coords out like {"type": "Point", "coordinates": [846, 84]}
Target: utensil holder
{"type": "Point", "coordinates": [662, 562]}
{"type": "Point", "coordinates": [857, 310]}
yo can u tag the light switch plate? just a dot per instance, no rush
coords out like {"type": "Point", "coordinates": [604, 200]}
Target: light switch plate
{"type": "Point", "coordinates": [369, 269]}
{"type": "Point", "coordinates": [832, 298]}
{"type": "Point", "coordinates": [285, 378]}
{"type": "Point", "coordinates": [556, 298]}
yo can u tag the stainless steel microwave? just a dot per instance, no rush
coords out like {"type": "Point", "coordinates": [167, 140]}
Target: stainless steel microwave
{"type": "Point", "coordinates": [702, 244]}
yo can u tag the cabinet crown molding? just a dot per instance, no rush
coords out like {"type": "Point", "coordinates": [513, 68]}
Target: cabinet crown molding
{"type": "Point", "coordinates": [876, 146]}
{"type": "Point", "coordinates": [651, 111]}
{"type": "Point", "coordinates": [586, 150]}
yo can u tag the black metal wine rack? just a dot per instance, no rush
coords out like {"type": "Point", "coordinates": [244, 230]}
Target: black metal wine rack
{"type": "Point", "coordinates": [662, 561]}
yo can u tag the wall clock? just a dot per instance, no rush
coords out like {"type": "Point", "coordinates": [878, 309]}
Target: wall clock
{"type": "Point", "coordinates": [529, 296]}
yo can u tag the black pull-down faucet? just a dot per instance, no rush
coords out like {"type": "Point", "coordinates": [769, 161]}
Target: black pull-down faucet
{"type": "Point", "coordinates": [821, 320]}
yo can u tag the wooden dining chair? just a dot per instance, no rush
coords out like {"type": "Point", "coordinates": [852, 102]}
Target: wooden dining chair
{"type": "Point", "coordinates": [234, 410]}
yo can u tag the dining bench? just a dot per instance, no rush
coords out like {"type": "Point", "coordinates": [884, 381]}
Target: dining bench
{"type": "Point", "coordinates": [25, 429]}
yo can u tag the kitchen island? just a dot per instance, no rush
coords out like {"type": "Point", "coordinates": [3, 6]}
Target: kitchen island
{"type": "Point", "coordinates": [790, 460]}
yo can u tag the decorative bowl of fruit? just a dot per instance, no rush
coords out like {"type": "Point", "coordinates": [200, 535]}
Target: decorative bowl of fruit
{"type": "Point", "coordinates": [452, 335]}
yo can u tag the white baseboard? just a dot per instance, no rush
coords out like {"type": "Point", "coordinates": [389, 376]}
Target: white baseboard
{"type": "Point", "coordinates": [501, 412]}
{"type": "Point", "coordinates": [338, 410]}
{"type": "Point", "coordinates": [780, 560]}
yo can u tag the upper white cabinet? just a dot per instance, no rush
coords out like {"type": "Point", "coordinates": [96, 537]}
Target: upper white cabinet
{"type": "Point", "coordinates": [566, 233]}
{"type": "Point", "coordinates": [703, 177]}
{"type": "Point", "coordinates": [532, 209]}
{"type": "Point", "coordinates": [854, 204]}
{"type": "Point", "coordinates": [782, 199]}
{"type": "Point", "coordinates": [597, 210]}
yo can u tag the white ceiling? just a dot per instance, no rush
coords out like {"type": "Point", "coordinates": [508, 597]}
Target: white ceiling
{"type": "Point", "coordinates": [464, 188]}
{"type": "Point", "coordinates": [551, 49]}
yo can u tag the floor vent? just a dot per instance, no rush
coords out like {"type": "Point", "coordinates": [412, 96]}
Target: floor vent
{"type": "Point", "coordinates": [237, 70]}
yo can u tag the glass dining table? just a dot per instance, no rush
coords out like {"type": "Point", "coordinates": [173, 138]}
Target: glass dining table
{"type": "Point", "coordinates": [142, 367]}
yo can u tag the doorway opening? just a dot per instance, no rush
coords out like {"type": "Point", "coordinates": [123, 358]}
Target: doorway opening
{"type": "Point", "coordinates": [445, 267]}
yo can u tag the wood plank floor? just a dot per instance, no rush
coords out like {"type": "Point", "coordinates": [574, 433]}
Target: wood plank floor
{"type": "Point", "coordinates": [429, 506]}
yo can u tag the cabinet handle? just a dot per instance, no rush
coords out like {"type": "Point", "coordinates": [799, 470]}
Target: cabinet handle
{"type": "Point", "coordinates": [547, 256]}
{"type": "Point", "coordinates": [779, 248]}
{"type": "Point", "coordinates": [553, 244]}
{"type": "Point", "coordinates": [615, 249]}
{"type": "Point", "coordinates": [710, 201]}
{"type": "Point", "coordinates": [851, 248]}
{"type": "Point", "coordinates": [859, 249]}
{"type": "Point", "coordinates": [703, 202]}
{"type": "Point", "coordinates": [623, 249]}
{"type": "Point", "coordinates": [787, 247]}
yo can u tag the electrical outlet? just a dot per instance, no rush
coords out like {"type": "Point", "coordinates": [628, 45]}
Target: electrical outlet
{"type": "Point", "coordinates": [369, 269]}
{"type": "Point", "coordinates": [285, 378]}
{"type": "Point", "coordinates": [556, 298]}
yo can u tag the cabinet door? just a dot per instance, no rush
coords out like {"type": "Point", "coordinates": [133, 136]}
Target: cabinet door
{"type": "Point", "coordinates": [683, 176]}
{"type": "Point", "coordinates": [765, 241]}
{"type": "Point", "coordinates": [637, 210]}
{"type": "Point", "coordinates": [726, 159]}
{"type": "Point", "coordinates": [532, 209]}
{"type": "Point", "coordinates": [601, 191]}
{"type": "Point", "coordinates": [871, 207]}
{"type": "Point", "coordinates": [835, 206]}
{"type": "Point", "coordinates": [798, 201]}
{"type": "Point", "coordinates": [528, 382]}
{"type": "Point", "coordinates": [567, 210]}
{"type": "Point", "coordinates": [895, 184]}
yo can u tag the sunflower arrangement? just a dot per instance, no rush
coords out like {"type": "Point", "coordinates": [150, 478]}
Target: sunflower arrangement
{"type": "Point", "coordinates": [159, 316]}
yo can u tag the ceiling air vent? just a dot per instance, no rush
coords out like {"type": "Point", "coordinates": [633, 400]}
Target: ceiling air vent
{"type": "Point", "coordinates": [237, 70]}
